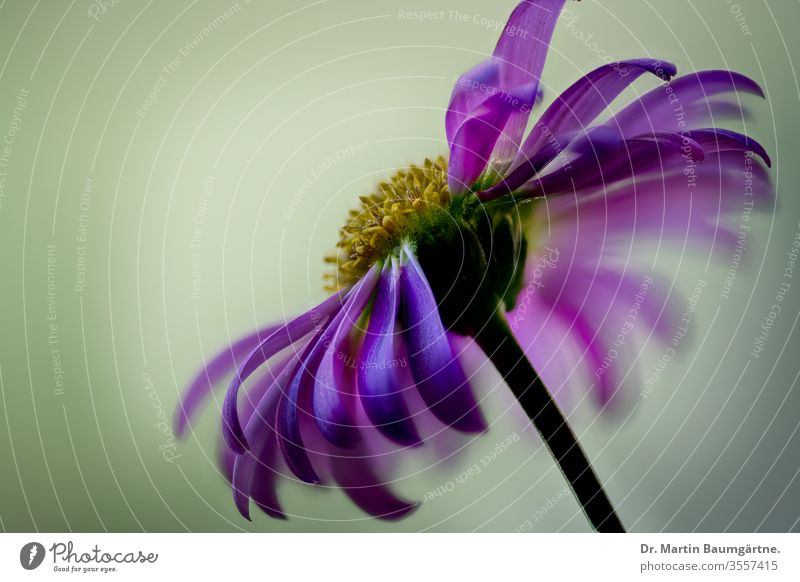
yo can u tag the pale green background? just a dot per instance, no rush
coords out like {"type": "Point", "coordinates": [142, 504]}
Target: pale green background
{"type": "Point", "coordinates": [260, 102]}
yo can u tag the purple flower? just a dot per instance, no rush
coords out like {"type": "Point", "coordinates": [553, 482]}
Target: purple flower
{"type": "Point", "coordinates": [536, 224]}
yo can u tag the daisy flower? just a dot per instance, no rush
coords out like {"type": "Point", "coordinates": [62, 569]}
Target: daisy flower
{"type": "Point", "coordinates": [518, 243]}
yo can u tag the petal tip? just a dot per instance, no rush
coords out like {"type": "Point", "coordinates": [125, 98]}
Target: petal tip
{"type": "Point", "coordinates": [400, 513]}
{"type": "Point", "coordinates": [237, 444]}
{"type": "Point", "coordinates": [471, 423]}
{"type": "Point", "coordinates": [670, 70]}
{"type": "Point", "coordinates": [180, 424]}
{"type": "Point", "coordinates": [273, 512]}
{"type": "Point", "coordinates": [401, 433]}
{"type": "Point", "coordinates": [343, 436]}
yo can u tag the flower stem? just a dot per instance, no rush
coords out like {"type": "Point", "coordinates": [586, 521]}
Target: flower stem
{"type": "Point", "coordinates": [499, 344]}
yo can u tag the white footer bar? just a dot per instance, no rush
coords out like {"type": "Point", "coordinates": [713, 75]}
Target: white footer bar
{"type": "Point", "coordinates": [389, 557]}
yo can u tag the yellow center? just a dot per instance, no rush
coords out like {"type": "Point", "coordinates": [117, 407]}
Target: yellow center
{"type": "Point", "coordinates": [385, 217]}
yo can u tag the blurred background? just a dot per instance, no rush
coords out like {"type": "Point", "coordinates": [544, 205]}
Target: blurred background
{"type": "Point", "coordinates": [172, 173]}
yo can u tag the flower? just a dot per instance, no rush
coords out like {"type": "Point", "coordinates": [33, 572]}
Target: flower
{"type": "Point", "coordinates": [539, 221]}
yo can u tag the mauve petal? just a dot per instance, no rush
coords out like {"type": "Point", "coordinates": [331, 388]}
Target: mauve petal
{"type": "Point", "coordinates": [471, 89]}
{"type": "Point", "coordinates": [584, 156]}
{"type": "Point", "coordinates": [520, 53]}
{"type": "Point", "coordinates": [206, 379]}
{"type": "Point", "coordinates": [658, 208]}
{"type": "Point", "coordinates": [653, 208]}
{"type": "Point", "coordinates": [719, 110]}
{"type": "Point", "coordinates": [263, 486]}
{"type": "Point", "coordinates": [253, 473]}
{"type": "Point", "coordinates": [379, 385]}
{"type": "Point", "coordinates": [579, 105]}
{"type": "Point", "coordinates": [246, 481]}
{"type": "Point", "coordinates": [606, 305]}
{"type": "Point", "coordinates": [588, 97]}
{"type": "Point", "coordinates": [606, 167]}
{"type": "Point", "coordinates": [226, 459]}
{"type": "Point", "coordinates": [474, 142]}
{"type": "Point", "coordinates": [356, 476]}
{"type": "Point", "coordinates": [252, 398]}
{"type": "Point", "coordinates": [513, 74]}
{"type": "Point", "coordinates": [302, 385]}
{"type": "Point", "coordinates": [435, 368]}
{"type": "Point", "coordinates": [661, 207]}
{"type": "Point", "coordinates": [242, 475]}
{"type": "Point", "coordinates": [683, 104]}
{"type": "Point", "coordinates": [557, 297]}
{"type": "Point", "coordinates": [657, 196]}
{"type": "Point", "coordinates": [582, 290]}
{"type": "Point", "coordinates": [505, 150]}
{"type": "Point", "coordinates": [287, 415]}
{"type": "Point", "coordinates": [655, 154]}
{"type": "Point", "coordinates": [331, 383]}
{"type": "Point", "coordinates": [547, 343]}
{"type": "Point", "coordinates": [521, 174]}
{"type": "Point", "coordinates": [714, 140]}
{"type": "Point", "coordinates": [286, 335]}
{"type": "Point", "coordinates": [656, 309]}
{"type": "Point", "coordinates": [523, 45]}
{"type": "Point", "coordinates": [263, 491]}
{"type": "Point", "coordinates": [591, 347]}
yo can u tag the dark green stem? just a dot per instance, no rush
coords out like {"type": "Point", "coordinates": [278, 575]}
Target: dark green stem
{"type": "Point", "coordinates": [498, 343]}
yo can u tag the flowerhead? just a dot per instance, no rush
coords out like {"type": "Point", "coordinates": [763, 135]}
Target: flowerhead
{"type": "Point", "coordinates": [537, 220]}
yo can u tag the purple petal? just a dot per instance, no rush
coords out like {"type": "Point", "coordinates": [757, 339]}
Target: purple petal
{"type": "Point", "coordinates": [284, 336]}
{"type": "Point", "coordinates": [521, 52]}
{"type": "Point", "coordinates": [714, 140]}
{"type": "Point", "coordinates": [252, 398]}
{"type": "Point", "coordinates": [597, 304]}
{"type": "Point", "coordinates": [220, 365]}
{"type": "Point", "coordinates": [682, 104]}
{"type": "Point", "coordinates": [657, 153]}
{"type": "Point", "coordinates": [522, 173]}
{"type": "Point", "coordinates": [591, 348]}
{"type": "Point", "coordinates": [607, 166]}
{"type": "Point", "coordinates": [436, 370]}
{"type": "Point", "coordinates": [472, 88]}
{"type": "Point", "coordinates": [719, 110]}
{"type": "Point", "coordinates": [493, 128]}
{"type": "Point", "coordinates": [357, 478]}
{"type": "Point", "coordinates": [669, 142]}
{"type": "Point", "coordinates": [578, 106]}
{"type": "Point", "coordinates": [288, 409]}
{"type": "Point", "coordinates": [226, 459]}
{"type": "Point", "coordinates": [302, 384]}
{"type": "Point", "coordinates": [666, 207]}
{"type": "Point", "coordinates": [379, 385]}
{"type": "Point", "coordinates": [330, 406]}
{"type": "Point", "coordinates": [253, 472]}
{"type": "Point", "coordinates": [521, 100]}
{"type": "Point", "coordinates": [656, 207]}
{"type": "Point", "coordinates": [585, 156]}
{"type": "Point", "coordinates": [522, 47]}
{"type": "Point", "coordinates": [474, 142]}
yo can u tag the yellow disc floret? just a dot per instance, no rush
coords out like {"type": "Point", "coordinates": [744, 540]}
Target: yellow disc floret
{"type": "Point", "coordinates": [392, 212]}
